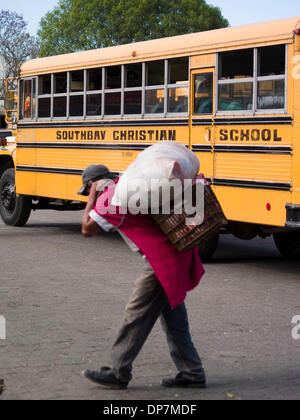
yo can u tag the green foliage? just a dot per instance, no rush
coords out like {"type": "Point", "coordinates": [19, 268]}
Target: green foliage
{"type": "Point", "coordinates": [75, 25]}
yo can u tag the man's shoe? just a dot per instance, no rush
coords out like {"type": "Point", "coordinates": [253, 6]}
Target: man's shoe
{"type": "Point", "coordinates": [180, 381]}
{"type": "Point", "coordinates": [105, 377]}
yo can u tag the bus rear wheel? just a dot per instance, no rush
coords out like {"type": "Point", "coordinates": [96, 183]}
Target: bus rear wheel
{"type": "Point", "coordinates": [288, 244]}
{"type": "Point", "coordinates": [14, 211]}
{"type": "Point", "coordinates": [208, 248]}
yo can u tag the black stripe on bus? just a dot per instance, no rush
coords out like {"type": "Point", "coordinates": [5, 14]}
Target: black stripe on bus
{"type": "Point", "coordinates": [103, 123]}
{"type": "Point", "coordinates": [197, 122]}
{"type": "Point", "coordinates": [279, 186]}
{"type": "Point", "coordinates": [49, 170]}
{"type": "Point", "coordinates": [283, 150]}
{"type": "Point", "coordinates": [254, 120]}
{"type": "Point", "coordinates": [201, 148]}
{"type": "Point", "coordinates": [62, 171]}
{"type": "Point", "coordinates": [104, 146]}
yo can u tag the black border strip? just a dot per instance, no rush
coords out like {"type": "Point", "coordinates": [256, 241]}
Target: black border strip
{"type": "Point", "coordinates": [49, 170]}
{"type": "Point", "coordinates": [201, 148]}
{"type": "Point", "coordinates": [281, 150]}
{"type": "Point", "coordinates": [253, 120]}
{"type": "Point", "coordinates": [252, 184]}
{"type": "Point", "coordinates": [105, 146]}
{"type": "Point", "coordinates": [103, 123]}
{"type": "Point", "coordinates": [202, 122]}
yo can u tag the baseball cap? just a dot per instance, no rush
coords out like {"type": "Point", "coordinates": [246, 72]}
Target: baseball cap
{"type": "Point", "coordinates": [94, 173]}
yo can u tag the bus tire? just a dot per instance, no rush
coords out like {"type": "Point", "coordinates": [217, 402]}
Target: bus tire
{"type": "Point", "coordinates": [208, 248]}
{"type": "Point", "coordinates": [14, 211]}
{"type": "Point", "coordinates": [288, 244]}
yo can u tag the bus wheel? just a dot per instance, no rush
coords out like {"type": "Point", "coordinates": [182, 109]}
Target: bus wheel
{"type": "Point", "coordinates": [15, 211]}
{"type": "Point", "coordinates": [288, 243]}
{"type": "Point", "coordinates": [208, 248]}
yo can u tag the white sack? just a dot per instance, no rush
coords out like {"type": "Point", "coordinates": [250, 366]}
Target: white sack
{"type": "Point", "coordinates": [164, 162]}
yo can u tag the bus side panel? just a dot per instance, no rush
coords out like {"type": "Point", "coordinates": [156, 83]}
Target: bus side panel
{"type": "Point", "coordinates": [255, 206]}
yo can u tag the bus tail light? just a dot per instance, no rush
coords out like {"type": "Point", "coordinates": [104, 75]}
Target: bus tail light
{"type": "Point", "coordinates": [297, 31]}
{"type": "Point", "coordinates": [3, 142]}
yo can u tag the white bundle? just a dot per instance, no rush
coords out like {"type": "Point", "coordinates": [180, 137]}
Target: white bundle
{"type": "Point", "coordinates": [159, 164]}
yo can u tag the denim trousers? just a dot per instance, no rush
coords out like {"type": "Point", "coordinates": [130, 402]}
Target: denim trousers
{"type": "Point", "coordinates": [149, 302]}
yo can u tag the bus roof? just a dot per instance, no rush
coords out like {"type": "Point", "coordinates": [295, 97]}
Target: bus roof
{"type": "Point", "coordinates": [266, 33]}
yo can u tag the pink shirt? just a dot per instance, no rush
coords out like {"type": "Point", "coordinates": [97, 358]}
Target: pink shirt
{"type": "Point", "coordinates": [178, 272]}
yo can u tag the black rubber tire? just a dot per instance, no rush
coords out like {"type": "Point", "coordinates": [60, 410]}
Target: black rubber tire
{"type": "Point", "coordinates": [288, 244]}
{"type": "Point", "coordinates": [207, 250]}
{"type": "Point", "coordinates": [14, 211]}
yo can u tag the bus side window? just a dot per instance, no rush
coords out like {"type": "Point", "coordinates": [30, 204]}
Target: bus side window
{"type": "Point", "coordinates": [203, 94]}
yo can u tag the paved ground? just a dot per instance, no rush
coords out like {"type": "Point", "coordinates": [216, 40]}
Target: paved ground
{"type": "Point", "coordinates": [63, 298]}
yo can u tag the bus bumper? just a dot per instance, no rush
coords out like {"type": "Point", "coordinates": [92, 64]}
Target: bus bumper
{"type": "Point", "coordinates": [293, 216]}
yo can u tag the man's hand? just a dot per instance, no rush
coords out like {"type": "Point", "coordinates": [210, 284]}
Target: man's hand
{"type": "Point", "coordinates": [89, 226]}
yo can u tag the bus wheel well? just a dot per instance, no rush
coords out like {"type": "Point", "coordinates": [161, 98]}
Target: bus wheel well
{"type": "Point", "coordinates": [6, 162]}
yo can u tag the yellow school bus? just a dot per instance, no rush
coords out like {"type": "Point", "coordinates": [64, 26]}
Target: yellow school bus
{"type": "Point", "coordinates": [231, 95]}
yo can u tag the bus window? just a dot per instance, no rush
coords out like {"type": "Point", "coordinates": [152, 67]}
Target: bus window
{"type": "Point", "coordinates": [27, 106]}
{"type": "Point", "coordinates": [94, 79]}
{"type": "Point", "coordinates": [133, 102]}
{"type": "Point", "coordinates": [94, 104]}
{"type": "Point", "coordinates": [236, 70]}
{"type": "Point", "coordinates": [133, 75]}
{"type": "Point", "coordinates": [44, 96]}
{"type": "Point", "coordinates": [155, 74]}
{"type": "Point", "coordinates": [203, 94]}
{"type": "Point", "coordinates": [155, 99]}
{"type": "Point", "coordinates": [271, 78]}
{"type": "Point", "coordinates": [60, 106]}
{"type": "Point", "coordinates": [60, 83]}
{"type": "Point", "coordinates": [178, 92]}
{"type": "Point", "coordinates": [236, 97]}
{"type": "Point", "coordinates": [113, 103]}
{"type": "Point", "coordinates": [113, 77]}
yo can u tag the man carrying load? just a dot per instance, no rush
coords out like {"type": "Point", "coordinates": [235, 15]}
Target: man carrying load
{"type": "Point", "coordinates": [160, 291]}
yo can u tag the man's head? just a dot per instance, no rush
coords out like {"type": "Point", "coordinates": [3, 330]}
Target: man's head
{"type": "Point", "coordinates": [92, 174]}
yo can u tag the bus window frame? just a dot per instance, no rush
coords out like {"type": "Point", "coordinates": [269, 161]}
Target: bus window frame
{"type": "Point", "coordinates": [21, 100]}
{"type": "Point", "coordinates": [255, 80]}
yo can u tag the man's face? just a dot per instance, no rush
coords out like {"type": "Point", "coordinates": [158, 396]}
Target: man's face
{"type": "Point", "coordinates": [89, 186]}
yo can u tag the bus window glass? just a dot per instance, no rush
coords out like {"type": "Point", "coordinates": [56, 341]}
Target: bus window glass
{"type": "Point", "coordinates": [113, 77]}
{"type": "Point", "coordinates": [60, 106]}
{"type": "Point", "coordinates": [27, 98]}
{"type": "Point", "coordinates": [236, 64]}
{"type": "Point", "coordinates": [271, 94]}
{"type": "Point", "coordinates": [236, 97]}
{"type": "Point", "coordinates": [155, 100]}
{"type": "Point", "coordinates": [155, 74]}
{"type": "Point", "coordinates": [45, 85]}
{"type": "Point", "coordinates": [203, 94]}
{"type": "Point", "coordinates": [94, 105]}
{"type": "Point", "coordinates": [33, 113]}
{"type": "Point", "coordinates": [133, 76]}
{"type": "Point", "coordinates": [178, 70]}
{"type": "Point", "coordinates": [76, 106]}
{"type": "Point", "coordinates": [113, 103]}
{"type": "Point", "coordinates": [60, 83]}
{"type": "Point", "coordinates": [94, 79]}
{"type": "Point", "coordinates": [178, 100]}
{"type": "Point", "coordinates": [133, 102]}
{"type": "Point", "coordinates": [77, 83]}
{"type": "Point", "coordinates": [271, 61]}
{"type": "Point", "coordinates": [44, 108]}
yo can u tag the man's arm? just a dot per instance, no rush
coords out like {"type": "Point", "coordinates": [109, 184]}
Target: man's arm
{"type": "Point", "coordinates": [89, 226]}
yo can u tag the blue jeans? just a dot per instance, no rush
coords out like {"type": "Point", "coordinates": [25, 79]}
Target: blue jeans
{"type": "Point", "coordinates": [149, 302]}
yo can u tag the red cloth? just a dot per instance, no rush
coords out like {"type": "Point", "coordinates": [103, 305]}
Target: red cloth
{"type": "Point", "coordinates": [178, 272]}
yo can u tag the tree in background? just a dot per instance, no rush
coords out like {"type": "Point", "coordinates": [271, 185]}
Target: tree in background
{"type": "Point", "coordinates": [74, 25]}
{"type": "Point", "coordinates": [16, 44]}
